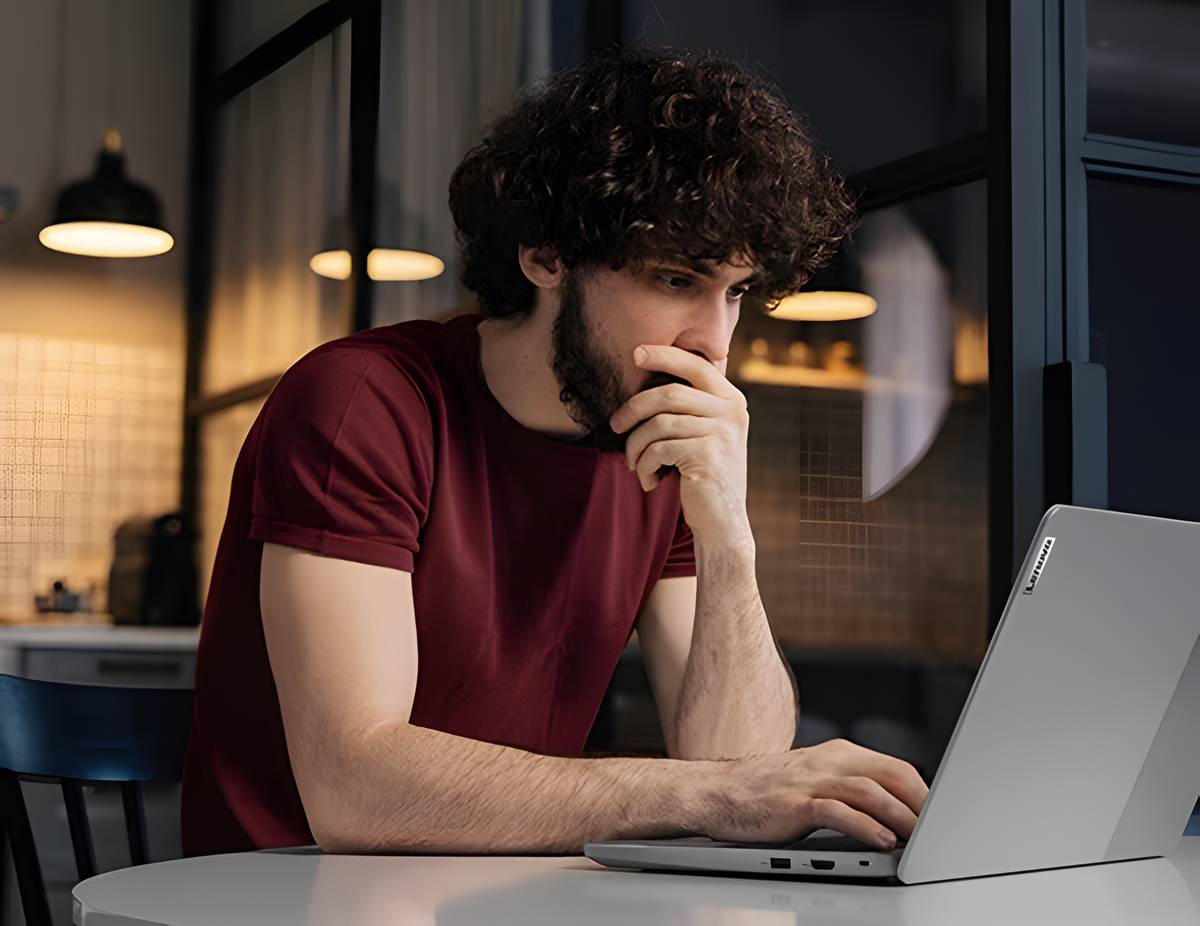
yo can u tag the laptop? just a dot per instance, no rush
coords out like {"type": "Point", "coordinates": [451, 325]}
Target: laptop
{"type": "Point", "coordinates": [1079, 742]}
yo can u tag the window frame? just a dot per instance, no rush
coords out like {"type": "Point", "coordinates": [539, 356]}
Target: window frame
{"type": "Point", "coordinates": [210, 91]}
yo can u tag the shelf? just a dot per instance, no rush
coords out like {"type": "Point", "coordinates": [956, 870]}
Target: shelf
{"type": "Point", "coordinates": [778, 374]}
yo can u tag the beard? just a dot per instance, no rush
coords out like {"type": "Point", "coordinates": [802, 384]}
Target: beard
{"type": "Point", "coordinates": [592, 387]}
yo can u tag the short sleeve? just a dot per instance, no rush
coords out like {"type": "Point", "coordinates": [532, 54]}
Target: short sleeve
{"type": "Point", "coordinates": [345, 457]}
{"type": "Point", "coordinates": [681, 561]}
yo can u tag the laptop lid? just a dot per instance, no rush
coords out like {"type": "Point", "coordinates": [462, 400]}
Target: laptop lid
{"type": "Point", "coordinates": [1080, 741]}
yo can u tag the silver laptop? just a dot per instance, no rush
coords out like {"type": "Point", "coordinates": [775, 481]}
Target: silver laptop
{"type": "Point", "coordinates": [1079, 743]}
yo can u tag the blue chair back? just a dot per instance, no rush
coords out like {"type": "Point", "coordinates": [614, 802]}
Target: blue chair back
{"type": "Point", "coordinates": [77, 733]}
{"type": "Point", "coordinates": [91, 732]}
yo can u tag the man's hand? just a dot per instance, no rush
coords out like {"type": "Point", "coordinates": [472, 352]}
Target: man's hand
{"type": "Point", "coordinates": [699, 429]}
{"type": "Point", "coordinates": [864, 794]}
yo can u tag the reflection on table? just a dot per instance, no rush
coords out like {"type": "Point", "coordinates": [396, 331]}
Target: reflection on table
{"type": "Point", "coordinates": [304, 886]}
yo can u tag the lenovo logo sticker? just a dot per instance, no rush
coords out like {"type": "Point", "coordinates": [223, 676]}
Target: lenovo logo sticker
{"type": "Point", "coordinates": [1038, 566]}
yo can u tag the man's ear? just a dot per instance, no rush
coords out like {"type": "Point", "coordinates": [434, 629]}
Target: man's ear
{"type": "Point", "coordinates": [541, 266]}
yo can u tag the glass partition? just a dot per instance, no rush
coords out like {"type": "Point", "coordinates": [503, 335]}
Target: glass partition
{"type": "Point", "coordinates": [243, 25]}
{"type": "Point", "coordinates": [447, 70]}
{"type": "Point", "coordinates": [1143, 70]}
{"type": "Point", "coordinates": [284, 184]}
{"type": "Point", "coordinates": [868, 443]}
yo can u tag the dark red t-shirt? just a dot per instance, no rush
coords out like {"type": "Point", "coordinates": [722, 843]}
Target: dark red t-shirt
{"type": "Point", "coordinates": [530, 560]}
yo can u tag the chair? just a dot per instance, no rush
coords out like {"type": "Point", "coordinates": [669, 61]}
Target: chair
{"type": "Point", "coordinates": [75, 734]}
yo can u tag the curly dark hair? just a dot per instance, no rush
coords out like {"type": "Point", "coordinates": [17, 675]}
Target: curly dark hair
{"type": "Point", "coordinates": [647, 152]}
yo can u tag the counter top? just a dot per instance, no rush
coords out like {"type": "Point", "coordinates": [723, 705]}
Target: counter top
{"type": "Point", "coordinates": [101, 654]}
{"type": "Point", "coordinates": [99, 636]}
{"type": "Point", "coordinates": [303, 886]}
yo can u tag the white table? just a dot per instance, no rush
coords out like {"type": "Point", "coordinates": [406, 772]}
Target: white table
{"type": "Point", "coordinates": [305, 888]}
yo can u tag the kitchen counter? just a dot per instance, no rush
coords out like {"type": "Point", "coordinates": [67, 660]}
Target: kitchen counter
{"type": "Point", "coordinates": [100, 654]}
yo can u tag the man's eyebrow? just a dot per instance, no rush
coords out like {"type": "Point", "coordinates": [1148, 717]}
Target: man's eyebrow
{"type": "Point", "coordinates": [705, 268]}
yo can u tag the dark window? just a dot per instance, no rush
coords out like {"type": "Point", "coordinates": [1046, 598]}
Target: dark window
{"type": "Point", "coordinates": [879, 79]}
{"type": "Point", "coordinates": [1144, 294]}
{"type": "Point", "coordinates": [1143, 70]}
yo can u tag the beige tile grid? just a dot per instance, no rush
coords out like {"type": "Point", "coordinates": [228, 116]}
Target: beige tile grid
{"type": "Point", "coordinates": [906, 571]}
{"type": "Point", "coordinates": [89, 436]}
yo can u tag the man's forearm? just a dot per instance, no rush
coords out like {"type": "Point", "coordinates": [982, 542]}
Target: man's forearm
{"type": "Point", "coordinates": [738, 697]}
{"type": "Point", "coordinates": [407, 787]}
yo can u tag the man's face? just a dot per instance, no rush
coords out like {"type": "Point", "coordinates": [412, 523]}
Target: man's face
{"type": "Point", "coordinates": [606, 313]}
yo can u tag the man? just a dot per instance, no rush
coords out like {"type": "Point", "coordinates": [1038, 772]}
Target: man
{"type": "Point", "coordinates": [440, 537]}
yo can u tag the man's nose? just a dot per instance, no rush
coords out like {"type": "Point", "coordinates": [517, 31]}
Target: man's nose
{"type": "Point", "coordinates": [710, 330]}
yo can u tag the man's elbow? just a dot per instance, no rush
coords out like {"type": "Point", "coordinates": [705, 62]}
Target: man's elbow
{"type": "Point", "coordinates": [345, 799]}
{"type": "Point", "coordinates": [333, 839]}
{"type": "Point", "coordinates": [338, 822]}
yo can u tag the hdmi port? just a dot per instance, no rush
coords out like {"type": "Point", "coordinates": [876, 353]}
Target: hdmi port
{"type": "Point", "coordinates": [822, 864]}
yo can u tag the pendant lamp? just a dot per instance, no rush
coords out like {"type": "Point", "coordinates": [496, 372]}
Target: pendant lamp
{"type": "Point", "coordinates": [107, 214]}
{"type": "Point", "coordinates": [335, 261]}
{"type": "Point", "coordinates": [382, 264]}
{"type": "Point", "coordinates": [835, 293]}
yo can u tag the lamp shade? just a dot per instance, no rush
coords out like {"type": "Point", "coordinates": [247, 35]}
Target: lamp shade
{"type": "Point", "coordinates": [382, 264]}
{"type": "Point", "coordinates": [107, 214]}
{"type": "Point", "coordinates": [823, 305]}
{"type": "Point", "coordinates": [335, 264]}
{"type": "Point", "coordinates": [835, 293]}
{"type": "Point", "coordinates": [395, 264]}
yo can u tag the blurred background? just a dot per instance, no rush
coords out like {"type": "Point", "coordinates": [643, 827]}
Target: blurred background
{"type": "Point", "coordinates": [1027, 174]}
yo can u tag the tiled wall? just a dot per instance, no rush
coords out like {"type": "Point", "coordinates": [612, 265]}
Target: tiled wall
{"type": "Point", "coordinates": [905, 571]}
{"type": "Point", "coordinates": [89, 436]}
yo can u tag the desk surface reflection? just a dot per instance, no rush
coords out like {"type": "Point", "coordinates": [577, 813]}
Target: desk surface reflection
{"type": "Point", "coordinates": [305, 887]}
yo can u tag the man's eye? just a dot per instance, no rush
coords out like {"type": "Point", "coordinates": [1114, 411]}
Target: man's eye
{"type": "Point", "coordinates": [736, 292]}
{"type": "Point", "coordinates": [673, 282]}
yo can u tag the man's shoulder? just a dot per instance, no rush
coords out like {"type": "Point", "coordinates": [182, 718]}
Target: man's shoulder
{"type": "Point", "coordinates": [373, 381]}
{"type": "Point", "coordinates": [419, 354]}
{"type": "Point", "coordinates": [405, 344]}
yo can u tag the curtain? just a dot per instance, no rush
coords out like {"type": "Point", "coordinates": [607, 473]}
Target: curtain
{"type": "Point", "coordinates": [449, 68]}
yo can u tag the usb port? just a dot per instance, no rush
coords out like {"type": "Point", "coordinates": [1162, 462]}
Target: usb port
{"type": "Point", "coordinates": [781, 863]}
{"type": "Point", "coordinates": [822, 864]}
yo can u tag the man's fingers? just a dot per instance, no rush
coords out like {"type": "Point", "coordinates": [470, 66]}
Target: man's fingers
{"type": "Point", "coordinates": [697, 370]}
{"type": "Point", "coordinates": [870, 797]}
{"type": "Point", "coordinates": [896, 775]}
{"type": "Point", "coordinates": [674, 397]}
{"type": "Point", "coordinates": [662, 427]}
{"type": "Point", "coordinates": [835, 815]}
{"type": "Point", "coordinates": [660, 453]}
{"type": "Point", "coordinates": [902, 780]}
